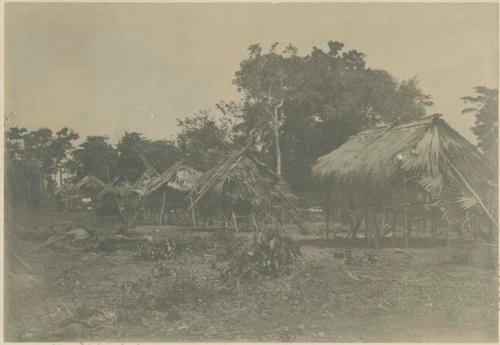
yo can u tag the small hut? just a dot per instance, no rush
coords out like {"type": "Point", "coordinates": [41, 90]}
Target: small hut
{"type": "Point", "coordinates": [131, 198]}
{"type": "Point", "coordinates": [242, 185]}
{"type": "Point", "coordinates": [423, 166]}
{"type": "Point", "coordinates": [175, 181]}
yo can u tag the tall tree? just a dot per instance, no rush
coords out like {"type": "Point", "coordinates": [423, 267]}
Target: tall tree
{"type": "Point", "coordinates": [94, 157]}
{"type": "Point", "coordinates": [303, 106]}
{"type": "Point", "coordinates": [130, 162]}
{"type": "Point", "coordinates": [33, 159]}
{"type": "Point", "coordinates": [484, 106]}
{"type": "Point", "coordinates": [202, 139]}
{"type": "Point", "coordinates": [61, 146]}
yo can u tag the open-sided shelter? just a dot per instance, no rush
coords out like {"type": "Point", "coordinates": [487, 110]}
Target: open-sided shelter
{"type": "Point", "coordinates": [401, 167]}
{"type": "Point", "coordinates": [243, 184]}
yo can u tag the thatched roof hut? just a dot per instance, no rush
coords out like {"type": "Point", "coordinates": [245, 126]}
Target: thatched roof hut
{"type": "Point", "coordinates": [379, 166]}
{"type": "Point", "coordinates": [244, 183]}
{"type": "Point", "coordinates": [179, 176]}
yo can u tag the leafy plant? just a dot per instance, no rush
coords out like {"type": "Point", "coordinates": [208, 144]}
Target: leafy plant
{"type": "Point", "coordinates": [270, 254]}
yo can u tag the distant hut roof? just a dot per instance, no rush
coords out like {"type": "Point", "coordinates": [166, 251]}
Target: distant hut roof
{"type": "Point", "coordinates": [179, 176]}
{"type": "Point", "coordinates": [241, 179]}
{"type": "Point", "coordinates": [370, 165]}
{"type": "Point", "coordinates": [91, 182]}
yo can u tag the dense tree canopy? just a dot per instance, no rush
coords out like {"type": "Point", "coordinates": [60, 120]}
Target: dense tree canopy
{"type": "Point", "coordinates": [33, 159]}
{"type": "Point", "coordinates": [94, 157]}
{"type": "Point", "coordinates": [484, 106]}
{"type": "Point", "coordinates": [310, 104]}
{"type": "Point", "coordinates": [202, 139]}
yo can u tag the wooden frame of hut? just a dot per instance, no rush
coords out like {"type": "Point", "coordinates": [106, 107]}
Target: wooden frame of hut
{"type": "Point", "coordinates": [421, 167]}
{"type": "Point", "coordinates": [243, 184]}
{"type": "Point", "coordinates": [179, 177]}
{"type": "Point", "coordinates": [130, 197]}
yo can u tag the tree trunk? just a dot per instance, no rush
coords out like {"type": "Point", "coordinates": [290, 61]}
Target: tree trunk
{"type": "Point", "coordinates": [277, 138]}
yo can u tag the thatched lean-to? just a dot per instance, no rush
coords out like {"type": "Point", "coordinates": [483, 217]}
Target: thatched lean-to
{"type": "Point", "coordinates": [396, 164]}
{"type": "Point", "coordinates": [130, 198]}
{"type": "Point", "coordinates": [242, 183]}
{"type": "Point", "coordinates": [179, 177]}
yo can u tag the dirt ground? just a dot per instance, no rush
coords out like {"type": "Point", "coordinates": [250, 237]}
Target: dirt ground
{"type": "Point", "coordinates": [100, 291]}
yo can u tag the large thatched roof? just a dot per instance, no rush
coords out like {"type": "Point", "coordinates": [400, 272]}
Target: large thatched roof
{"type": "Point", "coordinates": [241, 179]}
{"type": "Point", "coordinates": [373, 164]}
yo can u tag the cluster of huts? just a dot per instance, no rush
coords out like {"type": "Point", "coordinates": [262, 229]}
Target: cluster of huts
{"type": "Point", "coordinates": [383, 177]}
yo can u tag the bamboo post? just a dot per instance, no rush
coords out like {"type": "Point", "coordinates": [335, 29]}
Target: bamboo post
{"type": "Point", "coordinates": [376, 229]}
{"type": "Point", "coordinates": [163, 204]}
{"type": "Point", "coordinates": [366, 226]}
{"type": "Point", "coordinates": [327, 209]}
{"type": "Point", "coordinates": [234, 221]}
{"type": "Point", "coordinates": [434, 224]}
{"type": "Point", "coordinates": [406, 217]}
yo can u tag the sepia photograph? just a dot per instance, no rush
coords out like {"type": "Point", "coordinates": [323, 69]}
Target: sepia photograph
{"type": "Point", "coordinates": [250, 172]}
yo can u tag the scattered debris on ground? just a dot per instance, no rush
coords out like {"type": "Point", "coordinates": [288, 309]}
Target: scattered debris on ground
{"type": "Point", "coordinates": [350, 259]}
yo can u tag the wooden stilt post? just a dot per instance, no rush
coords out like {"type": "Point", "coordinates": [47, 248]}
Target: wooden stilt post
{"type": "Point", "coordinates": [376, 229]}
{"type": "Point", "coordinates": [394, 224]}
{"type": "Point", "coordinates": [234, 221]}
{"type": "Point", "coordinates": [163, 205]}
{"type": "Point", "coordinates": [367, 233]}
{"type": "Point", "coordinates": [406, 217]}
{"type": "Point", "coordinates": [327, 209]}
{"type": "Point", "coordinates": [434, 224]}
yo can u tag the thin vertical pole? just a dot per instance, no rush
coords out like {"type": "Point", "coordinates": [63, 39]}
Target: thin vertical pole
{"type": "Point", "coordinates": [434, 224]}
{"type": "Point", "coordinates": [327, 214]}
{"type": "Point", "coordinates": [367, 234]}
{"type": "Point", "coordinates": [193, 215]}
{"type": "Point", "coordinates": [406, 216]}
{"type": "Point", "coordinates": [255, 222]}
{"type": "Point", "coordinates": [234, 221]}
{"type": "Point", "coordinates": [376, 229]}
{"type": "Point", "coordinates": [163, 204]}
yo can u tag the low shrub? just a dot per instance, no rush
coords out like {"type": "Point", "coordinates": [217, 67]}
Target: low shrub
{"type": "Point", "coordinates": [270, 254]}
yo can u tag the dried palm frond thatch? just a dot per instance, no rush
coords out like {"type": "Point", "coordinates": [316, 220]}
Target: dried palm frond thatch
{"type": "Point", "coordinates": [90, 182]}
{"type": "Point", "coordinates": [130, 196]}
{"type": "Point", "coordinates": [179, 176]}
{"type": "Point", "coordinates": [241, 181]}
{"type": "Point", "coordinates": [374, 166]}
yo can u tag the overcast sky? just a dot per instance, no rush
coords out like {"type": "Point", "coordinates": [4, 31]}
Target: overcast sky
{"type": "Point", "coordinates": [110, 68]}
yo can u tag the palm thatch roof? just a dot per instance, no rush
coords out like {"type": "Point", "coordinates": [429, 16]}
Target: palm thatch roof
{"type": "Point", "coordinates": [374, 165]}
{"type": "Point", "coordinates": [90, 182]}
{"type": "Point", "coordinates": [179, 176]}
{"type": "Point", "coordinates": [241, 180]}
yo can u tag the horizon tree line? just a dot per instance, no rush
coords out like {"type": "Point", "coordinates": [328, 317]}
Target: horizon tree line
{"type": "Point", "coordinates": [296, 108]}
